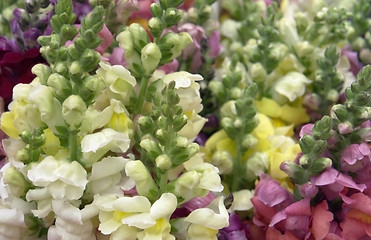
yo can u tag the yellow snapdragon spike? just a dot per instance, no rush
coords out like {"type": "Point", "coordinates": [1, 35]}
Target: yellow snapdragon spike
{"type": "Point", "coordinates": [52, 144]}
{"type": "Point", "coordinates": [7, 126]}
{"type": "Point", "coordinates": [290, 114]}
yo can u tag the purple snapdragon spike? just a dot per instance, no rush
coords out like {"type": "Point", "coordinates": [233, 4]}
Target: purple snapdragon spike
{"type": "Point", "coordinates": [81, 9]}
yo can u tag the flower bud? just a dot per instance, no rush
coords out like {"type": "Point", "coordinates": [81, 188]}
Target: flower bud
{"type": "Point", "coordinates": [236, 93]}
{"type": "Point", "coordinates": [365, 56]}
{"type": "Point", "coordinates": [228, 125]}
{"type": "Point", "coordinates": [126, 41]}
{"type": "Point", "coordinates": [229, 109]}
{"type": "Point", "coordinates": [192, 149]}
{"type": "Point", "coordinates": [42, 71]}
{"type": "Point", "coordinates": [163, 162]}
{"type": "Point", "coordinates": [75, 68]}
{"type": "Point", "coordinates": [333, 95]}
{"type": "Point", "coordinates": [256, 164]}
{"type": "Point", "coordinates": [304, 160]}
{"type": "Point", "coordinates": [23, 155]}
{"type": "Point", "coordinates": [89, 60]}
{"type": "Point", "coordinates": [155, 26]}
{"type": "Point", "coordinates": [249, 141]}
{"type": "Point", "coordinates": [251, 49]}
{"type": "Point", "coordinates": [145, 123]}
{"type": "Point", "coordinates": [223, 160]}
{"type": "Point", "coordinates": [156, 10]}
{"type": "Point", "coordinates": [22, 17]}
{"type": "Point", "coordinates": [150, 56]}
{"type": "Point", "coordinates": [26, 137]}
{"type": "Point", "coordinates": [16, 182]}
{"type": "Point", "coordinates": [216, 87]}
{"type": "Point", "coordinates": [172, 16]}
{"type": "Point", "coordinates": [144, 183]}
{"type": "Point", "coordinates": [296, 173]}
{"type": "Point", "coordinates": [140, 36]}
{"type": "Point", "coordinates": [93, 83]}
{"type": "Point", "coordinates": [359, 44]}
{"type": "Point", "coordinates": [312, 100]}
{"type": "Point", "coordinates": [319, 165]}
{"type": "Point", "coordinates": [304, 49]}
{"type": "Point", "coordinates": [150, 146]}
{"type": "Point", "coordinates": [345, 128]}
{"type": "Point", "coordinates": [186, 182]}
{"type": "Point", "coordinates": [257, 72]}
{"type": "Point", "coordinates": [73, 111]}
{"type": "Point", "coordinates": [340, 112]}
{"type": "Point", "coordinates": [60, 84]}
{"type": "Point", "coordinates": [181, 141]}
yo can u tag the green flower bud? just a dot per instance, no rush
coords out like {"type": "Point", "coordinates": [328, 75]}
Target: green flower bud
{"type": "Point", "coordinates": [150, 56]}
{"type": "Point", "coordinates": [319, 165]}
{"type": "Point", "coordinates": [26, 136]}
{"type": "Point", "coordinates": [163, 162]}
{"type": "Point", "coordinates": [89, 60]}
{"type": "Point", "coordinates": [216, 87]}
{"type": "Point", "coordinates": [340, 112]}
{"type": "Point", "coordinates": [60, 84]}
{"type": "Point", "coordinates": [16, 182]}
{"type": "Point", "coordinates": [155, 26]}
{"type": "Point", "coordinates": [73, 111]}
{"type": "Point", "coordinates": [304, 160]}
{"type": "Point", "coordinates": [192, 14]}
{"type": "Point", "coordinates": [151, 147]}
{"type": "Point", "coordinates": [304, 49]}
{"type": "Point", "coordinates": [75, 68]}
{"type": "Point", "coordinates": [296, 173]}
{"type": "Point", "coordinates": [307, 143]}
{"type": "Point", "coordinates": [156, 10]}
{"type": "Point", "coordinates": [229, 109]}
{"type": "Point", "coordinates": [251, 49]}
{"type": "Point", "coordinates": [126, 41]}
{"type": "Point", "coordinates": [236, 93]}
{"type": "Point", "coordinates": [73, 52]}
{"type": "Point", "coordinates": [257, 72]}
{"type": "Point", "coordinates": [358, 44]}
{"type": "Point", "coordinates": [144, 182]}
{"type": "Point", "coordinates": [42, 71]}
{"type": "Point", "coordinates": [68, 32]}
{"type": "Point", "coordinates": [23, 155]}
{"type": "Point", "coordinates": [278, 51]}
{"type": "Point", "coordinates": [238, 123]}
{"type": "Point", "coordinates": [333, 96]}
{"type": "Point", "coordinates": [365, 56]}
{"type": "Point", "coordinates": [139, 34]}
{"type": "Point", "coordinates": [186, 182]}
{"type": "Point", "coordinates": [172, 16]}
{"type": "Point", "coordinates": [192, 149]}
{"type": "Point", "coordinates": [249, 141]}
{"type": "Point", "coordinates": [223, 160]}
{"type": "Point", "coordinates": [228, 125]}
{"type": "Point", "coordinates": [94, 83]}
{"type": "Point", "coordinates": [181, 141]}
{"type": "Point", "coordinates": [145, 123]}
{"type": "Point", "coordinates": [179, 122]}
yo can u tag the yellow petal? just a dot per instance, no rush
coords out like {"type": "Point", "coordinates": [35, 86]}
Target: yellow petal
{"type": "Point", "coordinates": [7, 126]}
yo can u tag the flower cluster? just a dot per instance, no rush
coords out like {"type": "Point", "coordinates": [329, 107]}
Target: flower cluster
{"type": "Point", "coordinates": [185, 119]}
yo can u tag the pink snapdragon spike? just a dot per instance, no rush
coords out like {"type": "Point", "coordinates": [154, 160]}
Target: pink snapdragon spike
{"type": "Point", "coordinates": [144, 10]}
{"type": "Point", "coordinates": [334, 184]}
{"type": "Point", "coordinates": [214, 44]}
{"type": "Point", "coordinates": [270, 198]}
{"type": "Point", "coordinates": [193, 50]}
{"type": "Point", "coordinates": [355, 64]}
{"type": "Point", "coordinates": [321, 220]}
{"type": "Point", "coordinates": [357, 223]}
{"type": "Point", "coordinates": [170, 67]}
{"type": "Point", "coordinates": [355, 157]}
{"type": "Point", "coordinates": [306, 129]}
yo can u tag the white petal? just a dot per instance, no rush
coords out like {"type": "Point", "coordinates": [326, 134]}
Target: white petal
{"type": "Point", "coordinates": [67, 212]}
{"type": "Point", "coordinates": [164, 207]}
{"type": "Point", "coordinates": [73, 174]}
{"type": "Point", "coordinates": [43, 173]}
{"type": "Point", "coordinates": [211, 217]}
{"type": "Point", "coordinates": [107, 223]}
{"type": "Point", "coordinates": [132, 204]}
{"type": "Point", "coordinates": [107, 166]}
{"type": "Point", "coordinates": [143, 221]}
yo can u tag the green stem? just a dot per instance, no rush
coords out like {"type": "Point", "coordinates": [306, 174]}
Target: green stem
{"type": "Point", "coordinates": [142, 93]}
{"type": "Point", "coordinates": [73, 145]}
{"type": "Point", "coordinates": [163, 183]}
{"type": "Point", "coordinates": [237, 167]}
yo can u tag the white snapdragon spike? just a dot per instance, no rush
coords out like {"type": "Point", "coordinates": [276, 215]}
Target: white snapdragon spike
{"type": "Point", "coordinates": [108, 176]}
{"type": "Point", "coordinates": [71, 222]}
{"type": "Point", "coordinates": [241, 200]}
{"type": "Point", "coordinates": [44, 201]}
{"type": "Point", "coordinates": [291, 86]}
{"type": "Point", "coordinates": [194, 125]}
{"type": "Point", "coordinates": [205, 222]}
{"type": "Point", "coordinates": [187, 88]}
{"type": "Point", "coordinates": [118, 78]}
{"type": "Point", "coordinates": [63, 179]}
{"type": "Point", "coordinates": [48, 105]}
{"type": "Point", "coordinates": [12, 225]}
{"type": "Point", "coordinates": [198, 181]}
{"type": "Point", "coordinates": [134, 217]}
{"type": "Point", "coordinates": [95, 145]}
{"type": "Point", "coordinates": [288, 32]}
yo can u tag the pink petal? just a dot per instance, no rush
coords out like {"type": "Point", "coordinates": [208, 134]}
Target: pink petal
{"type": "Point", "coordinates": [325, 178]}
{"type": "Point", "coordinates": [321, 220]}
